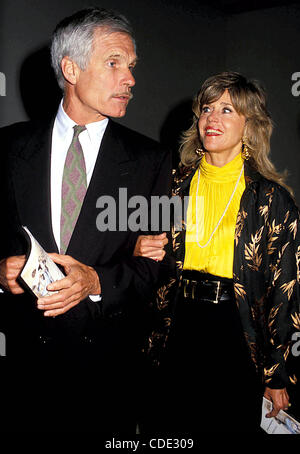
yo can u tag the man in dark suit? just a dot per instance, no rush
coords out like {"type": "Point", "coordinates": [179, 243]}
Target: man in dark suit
{"type": "Point", "coordinates": [80, 343]}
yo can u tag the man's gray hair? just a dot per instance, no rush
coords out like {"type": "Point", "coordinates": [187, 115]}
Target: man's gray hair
{"type": "Point", "coordinates": [73, 36]}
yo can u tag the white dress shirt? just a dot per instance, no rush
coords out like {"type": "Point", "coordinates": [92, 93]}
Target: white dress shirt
{"type": "Point", "coordinates": [62, 135]}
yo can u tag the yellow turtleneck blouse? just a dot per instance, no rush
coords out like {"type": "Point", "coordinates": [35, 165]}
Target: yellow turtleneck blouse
{"type": "Point", "coordinates": [215, 188]}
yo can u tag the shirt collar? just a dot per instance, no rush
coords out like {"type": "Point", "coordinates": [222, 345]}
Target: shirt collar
{"type": "Point", "coordinates": [225, 174]}
{"type": "Point", "coordinates": [65, 124]}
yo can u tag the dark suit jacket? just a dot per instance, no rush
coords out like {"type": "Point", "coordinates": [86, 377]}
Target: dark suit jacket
{"type": "Point", "coordinates": [126, 159]}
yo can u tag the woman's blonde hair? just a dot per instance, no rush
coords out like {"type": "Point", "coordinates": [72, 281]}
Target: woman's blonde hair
{"type": "Point", "coordinates": [248, 99]}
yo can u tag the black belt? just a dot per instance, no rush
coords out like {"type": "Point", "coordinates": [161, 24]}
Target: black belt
{"type": "Point", "coordinates": [207, 288]}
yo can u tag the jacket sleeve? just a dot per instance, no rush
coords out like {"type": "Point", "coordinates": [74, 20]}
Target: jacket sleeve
{"type": "Point", "coordinates": [282, 315]}
{"type": "Point", "coordinates": [127, 277]}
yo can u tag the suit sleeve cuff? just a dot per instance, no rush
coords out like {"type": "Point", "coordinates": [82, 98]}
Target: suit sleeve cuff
{"type": "Point", "coordinates": [95, 298]}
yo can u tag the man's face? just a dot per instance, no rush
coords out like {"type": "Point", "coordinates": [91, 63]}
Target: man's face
{"type": "Point", "coordinates": [104, 88]}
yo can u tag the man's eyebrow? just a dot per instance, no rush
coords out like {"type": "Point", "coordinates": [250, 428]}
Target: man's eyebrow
{"type": "Point", "coordinates": [114, 56]}
{"type": "Point", "coordinates": [134, 61]}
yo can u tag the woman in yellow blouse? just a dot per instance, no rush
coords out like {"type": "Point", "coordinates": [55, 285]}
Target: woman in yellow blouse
{"type": "Point", "coordinates": [233, 307]}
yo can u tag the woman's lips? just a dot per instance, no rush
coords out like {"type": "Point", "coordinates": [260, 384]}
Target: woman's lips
{"type": "Point", "coordinates": [209, 131]}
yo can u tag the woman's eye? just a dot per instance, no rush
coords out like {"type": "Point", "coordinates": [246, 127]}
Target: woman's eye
{"type": "Point", "coordinates": [205, 109]}
{"type": "Point", "coordinates": [227, 110]}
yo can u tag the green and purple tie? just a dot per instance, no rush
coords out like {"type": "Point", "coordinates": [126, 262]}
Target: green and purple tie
{"type": "Point", "coordinates": [73, 189]}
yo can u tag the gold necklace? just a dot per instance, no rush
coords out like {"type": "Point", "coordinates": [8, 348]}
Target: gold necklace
{"type": "Point", "coordinates": [224, 212]}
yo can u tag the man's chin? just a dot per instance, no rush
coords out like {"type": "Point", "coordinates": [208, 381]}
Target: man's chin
{"type": "Point", "coordinates": [118, 114]}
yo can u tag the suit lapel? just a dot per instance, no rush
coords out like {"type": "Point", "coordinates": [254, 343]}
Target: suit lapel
{"type": "Point", "coordinates": [31, 177]}
{"type": "Point", "coordinates": [114, 168]}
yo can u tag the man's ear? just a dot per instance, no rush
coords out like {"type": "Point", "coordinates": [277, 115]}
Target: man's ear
{"type": "Point", "coordinates": [70, 70]}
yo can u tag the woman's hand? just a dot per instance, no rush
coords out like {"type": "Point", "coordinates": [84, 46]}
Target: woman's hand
{"type": "Point", "coordinates": [279, 399]}
{"type": "Point", "coordinates": [151, 246]}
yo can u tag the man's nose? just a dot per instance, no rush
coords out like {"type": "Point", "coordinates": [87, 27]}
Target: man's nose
{"type": "Point", "coordinates": [129, 80]}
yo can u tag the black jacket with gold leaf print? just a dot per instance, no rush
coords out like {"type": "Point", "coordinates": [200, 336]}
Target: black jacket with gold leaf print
{"type": "Point", "coordinates": [266, 276]}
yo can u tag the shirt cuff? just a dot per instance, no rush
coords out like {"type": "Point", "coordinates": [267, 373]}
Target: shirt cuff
{"type": "Point", "coordinates": [95, 298]}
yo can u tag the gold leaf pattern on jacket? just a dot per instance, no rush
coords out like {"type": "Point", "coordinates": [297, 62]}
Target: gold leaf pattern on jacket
{"type": "Point", "coordinates": [288, 288]}
{"type": "Point", "coordinates": [273, 235]}
{"type": "Point", "coordinates": [251, 250]}
{"type": "Point", "coordinates": [293, 228]}
{"type": "Point", "coordinates": [298, 264]}
{"type": "Point", "coordinates": [271, 321]}
{"type": "Point", "coordinates": [287, 214]}
{"type": "Point", "coordinates": [274, 268]}
{"type": "Point", "coordinates": [179, 264]}
{"type": "Point", "coordinates": [239, 290]}
{"type": "Point", "coordinates": [174, 238]}
{"type": "Point", "coordinates": [268, 372]}
{"type": "Point", "coordinates": [270, 196]}
{"type": "Point", "coordinates": [253, 350]}
{"type": "Point", "coordinates": [296, 321]}
{"type": "Point", "coordinates": [286, 353]}
{"type": "Point", "coordinates": [276, 275]}
{"type": "Point", "coordinates": [162, 292]}
{"type": "Point", "coordinates": [239, 225]}
{"type": "Point", "coordinates": [264, 211]}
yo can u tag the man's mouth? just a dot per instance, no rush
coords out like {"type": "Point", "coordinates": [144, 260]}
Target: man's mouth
{"type": "Point", "coordinates": [123, 97]}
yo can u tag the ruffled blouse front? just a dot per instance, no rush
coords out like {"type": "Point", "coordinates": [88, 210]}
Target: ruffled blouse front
{"type": "Point", "coordinates": [215, 187]}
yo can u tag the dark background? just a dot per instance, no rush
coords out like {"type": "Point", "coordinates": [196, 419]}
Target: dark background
{"type": "Point", "coordinates": [179, 44]}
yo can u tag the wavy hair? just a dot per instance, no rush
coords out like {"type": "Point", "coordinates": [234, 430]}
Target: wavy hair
{"type": "Point", "coordinates": [249, 99]}
{"type": "Point", "coordinates": [73, 36]}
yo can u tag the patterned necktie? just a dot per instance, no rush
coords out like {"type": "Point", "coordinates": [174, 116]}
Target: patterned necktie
{"type": "Point", "coordinates": [73, 189]}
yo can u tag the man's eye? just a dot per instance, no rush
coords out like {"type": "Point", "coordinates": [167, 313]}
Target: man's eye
{"type": "Point", "coordinates": [111, 64]}
{"type": "Point", "coordinates": [131, 68]}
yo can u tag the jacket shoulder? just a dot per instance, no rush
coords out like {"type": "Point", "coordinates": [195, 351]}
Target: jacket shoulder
{"type": "Point", "coordinates": [135, 139]}
{"type": "Point", "coordinates": [278, 195]}
{"type": "Point", "coordinates": [20, 132]}
{"type": "Point", "coordinates": [16, 129]}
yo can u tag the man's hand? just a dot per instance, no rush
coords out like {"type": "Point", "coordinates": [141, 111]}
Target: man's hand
{"type": "Point", "coordinates": [80, 282]}
{"type": "Point", "coordinates": [151, 246]}
{"type": "Point", "coordinates": [10, 269]}
{"type": "Point", "coordinates": [279, 399]}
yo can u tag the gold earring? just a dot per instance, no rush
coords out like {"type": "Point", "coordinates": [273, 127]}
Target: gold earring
{"type": "Point", "coordinates": [199, 152]}
{"type": "Point", "coordinates": [245, 150]}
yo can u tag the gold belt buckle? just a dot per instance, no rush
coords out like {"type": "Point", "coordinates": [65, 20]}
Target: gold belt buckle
{"type": "Point", "coordinates": [186, 293]}
{"type": "Point", "coordinates": [217, 293]}
{"type": "Point", "coordinates": [186, 282]}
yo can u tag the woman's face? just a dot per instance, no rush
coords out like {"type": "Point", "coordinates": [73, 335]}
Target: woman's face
{"type": "Point", "coordinates": [221, 129]}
